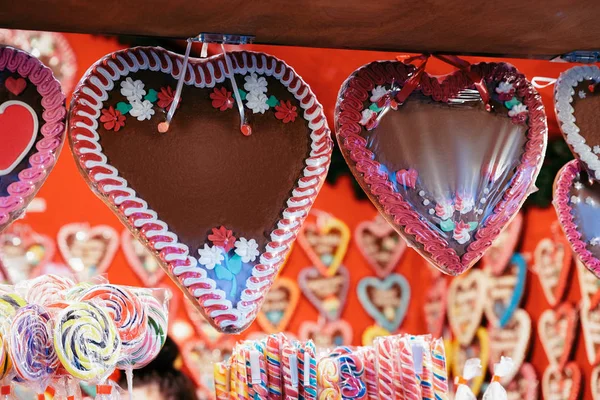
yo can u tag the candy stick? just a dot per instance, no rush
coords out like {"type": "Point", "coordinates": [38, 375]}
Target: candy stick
{"type": "Point", "coordinates": [370, 374]}
{"type": "Point", "coordinates": [274, 367]}
{"type": "Point", "coordinates": [301, 355]}
{"type": "Point", "coordinates": [427, 374]}
{"type": "Point", "coordinates": [396, 368]}
{"type": "Point", "coordinates": [260, 385]}
{"type": "Point", "coordinates": [242, 380]}
{"type": "Point", "coordinates": [440, 373]}
{"type": "Point", "coordinates": [384, 367]}
{"type": "Point", "coordinates": [310, 371]}
{"type": "Point", "coordinates": [248, 369]}
{"type": "Point", "coordinates": [233, 382]}
{"type": "Point", "coordinates": [289, 366]}
{"type": "Point", "coordinates": [221, 373]}
{"type": "Point", "coordinates": [412, 388]}
{"type": "Point", "coordinates": [328, 378]}
{"type": "Point", "coordinates": [351, 371]}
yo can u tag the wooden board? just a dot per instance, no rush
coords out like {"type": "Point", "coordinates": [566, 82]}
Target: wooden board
{"type": "Point", "coordinates": [509, 27]}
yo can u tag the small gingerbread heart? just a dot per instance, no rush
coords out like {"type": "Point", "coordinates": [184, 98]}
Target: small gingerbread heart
{"type": "Point", "coordinates": [589, 285]}
{"type": "Point", "coordinates": [465, 305]}
{"type": "Point", "coordinates": [524, 385]}
{"type": "Point", "coordinates": [434, 308]}
{"type": "Point", "coordinates": [562, 384]}
{"type": "Point", "coordinates": [385, 300]}
{"type": "Point", "coordinates": [498, 256]}
{"type": "Point", "coordinates": [595, 383]}
{"type": "Point", "coordinates": [380, 244]}
{"type": "Point", "coordinates": [590, 323]}
{"type": "Point", "coordinates": [326, 293]}
{"type": "Point", "coordinates": [479, 348]}
{"type": "Point", "coordinates": [557, 330]}
{"type": "Point", "coordinates": [24, 253]}
{"type": "Point", "coordinates": [279, 306]}
{"type": "Point", "coordinates": [505, 291]}
{"type": "Point", "coordinates": [326, 335]}
{"type": "Point", "coordinates": [143, 263]}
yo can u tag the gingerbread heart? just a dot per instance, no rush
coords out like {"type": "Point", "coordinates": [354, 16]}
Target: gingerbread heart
{"type": "Point", "coordinates": [552, 263]}
{"type": "Point", "coordinates": [479, 348]}
{"type": "Point", "coordinates": [326, 335]}
{"type": "Point", "coordinates": [524, 385]}
{"type": "Point", "coordinates": [562, 383]}
{"type": "Point", "coordinates": [87, 250]}
{"type": "Point", "coordinates": [381, 246]}
{"type": "Point", "coordinates": [446, 173]}
{"type": "Point", "coordinates": [434, 308]}
{"type": "Point", "coordinates": [385, 300]}
{"type": "Point", "coordinates": [577, 202]}
{"type": "Point", "coordinates": [589, 285]}
{"type": "Point", "coordinates": [595, 383]}
{"type": "Point", "coordinates": [143, 262]}
{"type": "Point", "coordinates": [326, 293]}
{"type": "Point", "coordinates": [557, 330]}
{"type": "Point", "coordinates": [505, 291]}
{"type": "Point", "coordinates": [24, 253]}
{"type": "Point", "coordinates": [221, 227]}
{"type": "Point", "coordinates": [32, 127]}
{"type": "Point", "coordinates": [498, 256]}
{"type": "Point", "coordinates": [199, 361]}
{"type": "Point", "coordinates": [279, 306]}
{"type": "Point", "coordinates": [590, 323]}
{"type": "Point", "coordinates": [325, 240]}
{"type": "Point", "coordinates": [511, 341]}
{"type": "Point", "coordinates": [465, 305]}
{"type": "Point", "coordinates": [209, 335]}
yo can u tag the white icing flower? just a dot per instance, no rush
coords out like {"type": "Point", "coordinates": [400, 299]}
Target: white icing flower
{"type": "Point", "coordinates": [367, 116]}
{"type": "Point", "coordinates": [257, 102]}
{"type": "Point", "coordinates": [133, 90]}
{"type": "Point", "coordinates": [255, 84]}
{"type": "Point", "coordinates": [581, 94]}
{"type": "Point", "coordinates": [596, 149]}
{"type": "Point", "coordinates": [595, 241]}
{"type": "Point", "coordinates": [575, 200]}
{"type": "Point", "coordinates": [504, 87]}
{"type": "Point", "coordinates": [210, 257]}
{"type": "Point", "coordinates": [378, 93]}
{"type": "Point", "coordinates": [444, 211]}
{"type": "Point", "coordinates": [578, 185]}
{"type": "Point", "coordinates": [141, 110]}
{"type": "Point", "coordinates": [589, 201]}
{"type": "Point", "coordinates": [517, 109]}
{"type": "Point", "coordinates": [247, 249]}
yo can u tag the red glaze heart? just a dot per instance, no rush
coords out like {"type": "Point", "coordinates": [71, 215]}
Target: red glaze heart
{"type": "Point", "coordinates": [557, 330]}
{"type": "Point", "coordinates": [380, 245]}
{"type": "Point", "coordinates": [32, 125]}
{"type": "Point", "coordinates": [218, 208]}
{"type": "Point", "coordinates": [474, 169]}
{"type": "Point", "coordinates": [563, 384]}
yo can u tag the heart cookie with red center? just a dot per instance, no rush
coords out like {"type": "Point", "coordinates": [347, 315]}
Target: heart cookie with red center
{"type": "Point", "coordinates": [557, 330]}
{"type": "Point", "coordinates": [218, 205]}
{"type": "Point", "coordinates": [381, 246]}
{"type": "Point", "coordinates": [448, 174]}
{"type": "Point", "coordinates": [24, 253]}
{"type": "Point", "coordinates": [562, 383]}
{"type": "Point", "coordinates": [32, 129]}
{"type": "Point", "coordinates": [326, 293]}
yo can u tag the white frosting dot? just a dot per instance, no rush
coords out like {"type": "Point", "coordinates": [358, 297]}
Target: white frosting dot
{"type": "Point", "coordinates": [422, 193]}
{"type": "Point", "coordinates": [574, 199]}
{"type": "Point", "coordinates": [431, 211]}
{"type": "Point", "coordinates": [425, 202]}
{"type": "Point", "coordinates": [590, 201]}
{"type": "Point", "coordinates": [486, 190]}
{"type": "Point", "coordinates": [483, 200]}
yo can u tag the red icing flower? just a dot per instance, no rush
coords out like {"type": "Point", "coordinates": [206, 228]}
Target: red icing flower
{"type": "Point", "coordinates": [112, 119]}
{"type": "Point", "coordinates": [166, 97]}
{"type": "Point", "coordinates": [221, 99]}
{"type": "Point", "coordinates": [285, 112]}
{"type": "Point", "coordinates": [223, 238]}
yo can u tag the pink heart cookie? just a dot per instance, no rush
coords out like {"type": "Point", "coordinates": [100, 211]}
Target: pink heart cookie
{"type": "Point", "coordinates": [381, 246]}
{"type": "Point", "coordinates": [327, 294]}
{"type": "Point", "coordinates": [497, 257]}
{"type": "Point", "coordinates": [557, 330]}
{"type": "Point", "coordinates": [435, 305]}
{"type": "Point", "coordinates": [525, 385]}
{"type": "Point", "coordinates": [465, 305]}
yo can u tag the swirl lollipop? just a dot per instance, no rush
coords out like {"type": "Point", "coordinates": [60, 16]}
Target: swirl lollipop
{"type": "Point", "coordinates": [48, 289]}
{"type": "Point", "coordinates": [31, 349]}
{"type": "Point", "coordinates": [9, 304]}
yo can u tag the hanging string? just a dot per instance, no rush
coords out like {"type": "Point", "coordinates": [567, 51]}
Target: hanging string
{"type": "Point", "coordinates": [541, 82]}
{"type": "Point", "coordinates": [244, 127]}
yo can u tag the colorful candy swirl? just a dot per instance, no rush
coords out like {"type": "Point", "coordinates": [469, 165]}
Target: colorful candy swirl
{"type": "Point", "coordinates": [48, 289]}
{"type": "Point", "coordinates": [328, 377]}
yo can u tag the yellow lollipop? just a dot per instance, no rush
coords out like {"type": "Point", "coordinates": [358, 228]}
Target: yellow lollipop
{"type": "Point", "coordinates": [5, 362]}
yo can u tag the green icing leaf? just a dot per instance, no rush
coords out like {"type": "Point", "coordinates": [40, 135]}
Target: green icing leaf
{"type": "Point", "coordinates": [124, 108]}
{"type": "Point", "coordinates": [272, 102]}
{"type": "Point", "coordinates": [513, 102]}
{"type": "Point", "coordinates": [242, 94]}
{"type": "Point", "coordinates": [447, 225]}
{"type": "Point", "coordinates": [223, 273]}
{"type": "Point", "coordinates": [235, 264]}
{"type": "Point", "coordinates": [152, 96]}
{"type": "Point", "coordinates": [375, 107]}
{"type": "Point", "coordinates": [472, 225]}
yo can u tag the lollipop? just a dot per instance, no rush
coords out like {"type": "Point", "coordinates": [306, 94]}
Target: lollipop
{"type": "Point", "coordinates": [5, 361]}
{"type": "Point", "coordinates": [310, 379]}
{"type": "Point", "coordinates": [87, 341]}
{"type": "Point", "coordinates": [410, 384]}
{"type": "Point", "coordinates": [328, 377]}
{"type": "Point", "coordinates": [75, 292]}
{"type": "Point", "coordinates": [47, 289]}
{"type": "Point", "coordinates": [221, 372]}
{"type": "Point", "coordinates": [9, 304]}
{"type": "Point", "coordinates": [440, 373]}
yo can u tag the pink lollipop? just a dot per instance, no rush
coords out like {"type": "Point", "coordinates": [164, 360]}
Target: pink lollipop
{"type": "Point", "coordinates": [370, 375]}
{"type": "Point", "coordinates": [48, 289]}
{"type": "Point", "coordinates": [385, 368]}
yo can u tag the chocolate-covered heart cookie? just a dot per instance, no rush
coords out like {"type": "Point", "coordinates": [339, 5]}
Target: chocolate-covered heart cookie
{"type": "Point", "coordinates": [32, 127]}
{"type": "Point", "coordinates": [219, 208]}
{"type": "Point", "coordinates": [448, 171]}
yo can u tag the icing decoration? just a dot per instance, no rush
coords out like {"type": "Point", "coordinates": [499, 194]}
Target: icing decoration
{"type": "Point", "coordinates": [498, 256]}
{"type": "Point", "coordinates": [557, 330]}
{"type": "Point", "coordinates": [590, 324]}
{"type": "Point", "coordinates": [279, 173]}
{"type": "Point", "coordinates": [31, 129]}
{"type": "Point", "coordinates": [143, 263]}
{"type": "Point", "coordinates": [511, 341]}
{"type": "Point", "coordinates": [454, 213]}
{"type": "Point", "coordinates": [87, 250]}
{"type": "Point", "coordinates": [326, 335]}
{"type": "Point", "coordinates": [372, 332]}
{"type": "Point", "coordinates": [435, 306]}
{"type": "Point", "coordinates": [595, 383]}
{"type": "Point", "coordinates": [327, 294]}
{"type": "Point", "coordinates": [589, 285]}
{"type": "Point", "coordinates": [325, 239]}
{"type": "Point", "coordinates": [465, 308]}
{"type": "Point", "coordinates": [479, 348]}
{"type": "Point", "coordinates": [385, 300]}
{"type": "Point", "coordinates": [381, 246]}
{"type": "Point", "coordinates": [24, 253]}
{"type": "Point", "coordinates": [562, 383]}
{"type": "Point", "coordinates": [576, 200]}
{"type": "Point", "coordinates": [552, 263]}
{"type": "Point", "coordinates": [279, 305]}
{"type": "Point", "coordinates": [524, 385]}
{"type": "Point", "coordinates": [505, 292]}
{"type": "Point", "coordinates": [199, 361]}
{"type": "Point", "coordinates": [209, 335]}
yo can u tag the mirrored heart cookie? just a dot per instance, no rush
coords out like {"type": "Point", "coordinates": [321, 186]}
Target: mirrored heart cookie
{"type": "Point", "coordinates": [589, 313]}
{"type": "Point", "coordinates": [220, 206]}
{"type": "Point", "coordinates": [32, 129]}
{"type": "Point", "coordinates": [24, 253]}
{"type": "Point", "coordinates": [380, 244]}
{"type": "Point", "coordinates": [327, 294]}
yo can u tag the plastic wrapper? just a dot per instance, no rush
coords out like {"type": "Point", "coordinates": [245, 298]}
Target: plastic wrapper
{"type": "Point", "coordinates": [472, 369]}
{"type": "Point", "coordinates": [10, 303]}
{"type": "Point", "coordinates": [495, 391]}
{"type": "Point", "coordinates": [447, 161]}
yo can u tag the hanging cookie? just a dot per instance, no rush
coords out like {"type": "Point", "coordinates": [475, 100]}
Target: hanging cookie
{"type": "Point", "coordinates": [498, 256]}
{"type": "Point", "coordinates": [465, 305]}
{"type": "Point", "coordinates": [327, 294]}
{"type": "Point", "coordinates": [478, 348]}
{"type": "Point", "coordinates": [326, 335]}
{"type": "Point", "coordinates": [557, 331]}
{"type": "Point", "coordinates": [385, 300]}
{"type": "Point", "coordinates": [505, 291]}
{"type": "Point", "coordinates": [435, 306]}
{"type": "Point", "coordinates": [562, 383]}
{"type": "Point", "coordinates": [380, 244]}
{"type": "Point", "coordinates": [525, 385]}
{"type": "Point", "coordinates": [279, 305]}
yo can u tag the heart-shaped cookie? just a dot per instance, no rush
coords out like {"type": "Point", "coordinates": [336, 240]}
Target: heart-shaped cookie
{"type": "Point", "coordinates": [87, 250]}
{"type": "Point", "coordinates": [511, 341]}
{"type": "Point", "coordinates": [385, 300]}
{"type": "Point", "coordinates": [32, 128]}
{"type": "Point", "coordinates": [200, 359]}
{"type": "Point", "coordinates": [279, 306]}
{"type": "Point", "coordinates": [325, 240]}
{"type": "Point", "coordinates": [590, 324]}
{"type": "Point", "coordinates": [505, 291]}
{"type": "Point", "coordinates": [557, 330]}
{"type": "Point", "coordinates": [465, 305]}
{"type": "Point", "coordinates": [435, 305]}
{"type": "Point", "coordinates": [326, 293]}
{"type": "Point", "coordinates": [524, 385]}
{"type": "Point", "coordinates": [479, 348]}
{"type": "Point", "coordinates": [221, 226]}
{"type": "Point", "coordinates": [552, 263]}
{"type": "Point", "coordinates": [326, 335]}
{"type": "Point", "coordinates": [589, 285]}
{"type": "Point", "coordinates": [498, 256]}
{"type": "Point", "coordinates": [446, 173]}
{"type": "Point", "coordinates": [24, 252]}
{"type": "Point", "coordinates": [380, 244]}
{"type": "Point", "coordinates": [372, 332]}
{"type": "Point", "coordinates": [562, 383]}
{"type": "Point", "coordinates": [143, 262]}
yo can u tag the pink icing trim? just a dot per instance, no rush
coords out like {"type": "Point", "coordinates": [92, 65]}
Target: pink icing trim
{"type": "Point", "coordinates": [53, 129]}
{"type": "Point", "coordinates": [356, 90]}
{"type": "Point", "coordinates": [562, 186]}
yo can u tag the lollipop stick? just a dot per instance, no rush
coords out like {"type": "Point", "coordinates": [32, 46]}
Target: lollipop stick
{"type": "Point", "coordinates": [129, 375]}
